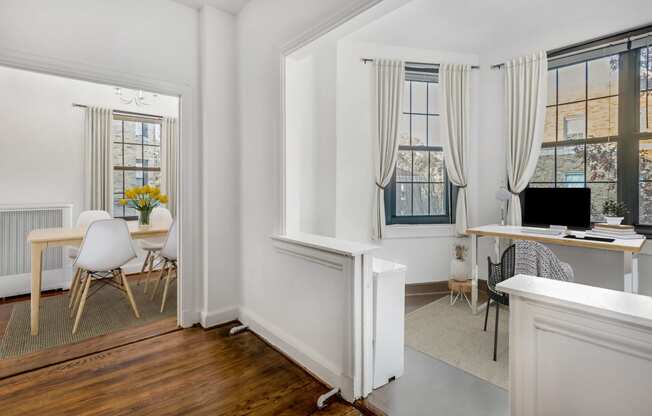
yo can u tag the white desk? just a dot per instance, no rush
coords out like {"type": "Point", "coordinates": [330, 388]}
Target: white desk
{"type": "Point", "coordinates": [629, 248]}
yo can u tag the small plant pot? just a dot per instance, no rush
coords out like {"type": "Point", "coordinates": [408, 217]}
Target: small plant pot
{"type": "Point", "coordinates": [458, 270]}
{"type": "Point", "coordinates": [614, 220]}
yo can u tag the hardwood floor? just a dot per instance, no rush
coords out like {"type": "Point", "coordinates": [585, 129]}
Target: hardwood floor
{"type": "Point", "coordinates": [186, 372]}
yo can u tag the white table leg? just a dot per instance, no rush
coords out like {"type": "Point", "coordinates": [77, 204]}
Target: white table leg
{"type": "Point", "coordinates": [635, 273]}
{"type": "Point", "coordinates": [497, 249]}
{"type": "Point", "coordinates": [474, 273]}
{"type": "Point", "coordinates": [628, 272]}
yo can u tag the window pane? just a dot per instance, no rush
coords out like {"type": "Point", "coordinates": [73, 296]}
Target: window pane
{"type": "Point", "coordinates": [117, 182]}
{"type": "Point", "coordinates": [152, 133]}
{"type": "Point", "coordinates": [403, 199]}
{"type": "Point", "coordinates": [600, 192]}
{"type": "Point", "coordinates": [570, 164]}
{"type": "Point", "coordinates": [133, 132]}
{"type": "Point", "coordinates": [116, 130]}
{"type": "Point", "coordinates": [406, 97]}
{"type": "Point", "coordinates": [603, 117]}
{"type": "Point", "coordinates": [545, 171]}
{"type": "Point", "coordinates": [552, 87]}
{"type": "Point", "coordinates": [116, 154]}
{"type": "Point", "coordinates": [420, 195]}
{"type": "Point", "coordinates": [118, 210]}
{"type": "Point", "coordinates": [420, 166]}
{"type": "Point", "coordinates": [437, 166]}
{"type": "Point", "coordinates": [645, 203]}
{"type": "Point", "coordinates": [602, 162]}
{"type": "Point", "coordinates": [419, 99]}
{"type": "Point", "coordinates": [131, 212]}
{"type": "Point", "coordinates": [133, 178]}
{"type": "Point", "coordinates": [133, 155]}
{"type": "Point", "coordinates": [571, 122]}
{"type": "Point", "coordinates": [404, 166]}
{"type": "Point", "coordinates": [152, 156]}
{"type": "Point", "coordinates": [645, 160]}
{"type": "Point", "coordinates": [646, 112]}
{"type": "Point", "coordinates": [437, 199]}
{"type": "Point", "coordinates": [550, 127]}
{"type": "Point", "coordinates": [434, 138]}
{"type": "Point", "coordinates": [404, 130]}
{"type": "Point", "coordinates": [603, 77]}
{"type": "Point", "coordinates": [433, 98]}
{"type": "Point", "coordinates": [153, 178]}
{"type": "Point", "coordinates": [572, 83]}
{"type": "Point", "coordinates": [419, 130]}
{"type": "Point", "coordinates": [646, 70]}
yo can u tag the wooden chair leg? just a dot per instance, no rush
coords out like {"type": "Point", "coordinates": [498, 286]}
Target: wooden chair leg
{"type": "Point", "coordinates": [130, 295]}
{"type": "Point", "coordinates": [486, 314]}
{"type": "Point", "coordinates": [149, 272]}
{"type": "Point", "coordinates": [168, 278]}
{"type": "Point", "coordinates": [496, 330]}
{"type": "Point", "coordinates": [78, 293]}
{"type": "Point", "coordinates": [145, 263]}
{"type": "Point", "coordinates": [158, 281]}
{"type": "Point", "coordinates": [73, 287]}
{"type": "Point", "coordinates": [83, 303]}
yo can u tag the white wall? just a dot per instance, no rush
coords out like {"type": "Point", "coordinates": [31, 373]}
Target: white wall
{"type": "Point", "coordinates": [41, 136]}
{"type": "Point", "coordinates": [146, 42]}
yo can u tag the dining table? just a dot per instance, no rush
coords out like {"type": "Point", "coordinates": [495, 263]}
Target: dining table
{"type": "Point", "coordinates": [41, 239]}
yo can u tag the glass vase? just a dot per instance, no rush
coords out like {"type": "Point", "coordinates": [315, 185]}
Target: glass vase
{"type": "Point", "coordinates": [143, 218]}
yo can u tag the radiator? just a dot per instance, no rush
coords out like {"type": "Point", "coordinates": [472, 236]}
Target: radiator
{"type": "Point", "coordinates": [16, 223]}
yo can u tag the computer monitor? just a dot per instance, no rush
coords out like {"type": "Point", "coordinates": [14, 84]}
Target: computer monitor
{"type": "Point", "coordinates": [570, 207]}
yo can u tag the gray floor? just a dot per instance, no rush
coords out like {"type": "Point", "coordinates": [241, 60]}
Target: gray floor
{"type": "Point", "coordinates": [432, 387]}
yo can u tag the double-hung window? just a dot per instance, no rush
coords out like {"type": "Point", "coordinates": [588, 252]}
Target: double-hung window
{"type": "Point", "coordinates": [598, 128]}
{"type": "Point", "coordinates": [419, 192]}
{"type": "Point", "coordinates": [136, 158]}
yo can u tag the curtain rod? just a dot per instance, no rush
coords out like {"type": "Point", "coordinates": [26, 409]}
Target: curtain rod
{"type": "Point", "coordinates": [365, 60]}
{"type": "Point", "coordinates": [127, 113]}
{"type": "Point", "coordinates": [597, 43]}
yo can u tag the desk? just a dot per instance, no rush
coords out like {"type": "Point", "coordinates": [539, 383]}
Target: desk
{"type": "Point", "coordinates": [629, 248]}
{"type": "Point", "coordinates": [57, 237]}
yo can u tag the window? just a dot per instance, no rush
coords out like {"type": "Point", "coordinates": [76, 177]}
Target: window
{"type": "Point", "coordinates": [598, 128]}
{"type": "Point", "coordinates": [136, 158]}
{"type": "Point", "coordinates": [419, 191]}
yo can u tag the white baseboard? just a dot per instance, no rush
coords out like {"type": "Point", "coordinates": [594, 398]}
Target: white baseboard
{"type": "Point", "coordinates": [218, 317]}
{"type": "Point", "coordinates": [20, 284]}
{"type": "Point", "coordinates": [312, 361]}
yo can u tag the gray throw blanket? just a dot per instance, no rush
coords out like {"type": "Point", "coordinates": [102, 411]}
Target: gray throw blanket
{"type": "Point", "coordinates": [535, 259]}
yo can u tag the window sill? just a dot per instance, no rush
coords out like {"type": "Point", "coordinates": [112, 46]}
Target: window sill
{"type": "Point", "coordinates": [403, 231]}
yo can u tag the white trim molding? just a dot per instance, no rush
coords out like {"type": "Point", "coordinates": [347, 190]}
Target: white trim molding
{"type": "Point", "coordinates": [405, 231]}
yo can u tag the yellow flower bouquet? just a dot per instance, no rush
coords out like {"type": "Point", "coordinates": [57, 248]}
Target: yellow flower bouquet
{"type": "Point", "coordinates": [144, 199]}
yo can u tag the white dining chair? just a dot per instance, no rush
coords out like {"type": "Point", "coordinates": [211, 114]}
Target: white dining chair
{"type": "Point", "coordinates": [106, 248]}
{"type": "Point", "coordinates": [169, 268]}
{"type": "Point", "coordinates": [160, 216]}
{"type": "Point", "coordinates": [83, 221]}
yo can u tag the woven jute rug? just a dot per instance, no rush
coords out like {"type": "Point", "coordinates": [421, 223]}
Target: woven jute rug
{"type": "Point", "coordinates": [108, 310]}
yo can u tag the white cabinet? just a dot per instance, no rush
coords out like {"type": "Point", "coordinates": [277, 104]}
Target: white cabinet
{"type": "Point", "coordinates": [389, 320]}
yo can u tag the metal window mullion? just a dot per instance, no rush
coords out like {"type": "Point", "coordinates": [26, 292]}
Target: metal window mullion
{"type": "Point", "coordinates": [124, 208]}
{"type": "Point", "coordinates": [556, 123]}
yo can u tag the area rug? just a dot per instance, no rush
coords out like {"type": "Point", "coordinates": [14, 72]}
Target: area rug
{"type": "Point", "coordinates": [452, 334]}
{"type": "Point", "coordinates": [106, 311]}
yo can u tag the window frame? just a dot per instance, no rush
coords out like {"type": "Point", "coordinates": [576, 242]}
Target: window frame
{"type": "Point", "coordinates": [122, 168]}
{"type": "Point", "coordinates": [450, 191]}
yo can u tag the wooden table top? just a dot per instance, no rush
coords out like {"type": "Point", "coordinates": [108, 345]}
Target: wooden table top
{"type": "Point", "coordinates": [515, 233]}
{"type": "Point", "coordinates": [46, 235]}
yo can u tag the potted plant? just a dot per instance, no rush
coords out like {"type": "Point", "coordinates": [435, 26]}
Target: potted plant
{"type": "Point", "coordinates": [614, 212]}
{"type": "Point", "coordinates": [144, 199]}
{"type": "Point", "coordinates": [458, 263]}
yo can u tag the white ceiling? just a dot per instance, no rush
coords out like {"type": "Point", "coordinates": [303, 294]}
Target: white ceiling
{"type": "Point", "coordinates": [490, 25]}
{"type": "Point", "coordinates": [231, 6]}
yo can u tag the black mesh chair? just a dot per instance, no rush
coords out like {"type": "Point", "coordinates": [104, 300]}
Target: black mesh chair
{"type": "Point", "coordinates": [497, 273]}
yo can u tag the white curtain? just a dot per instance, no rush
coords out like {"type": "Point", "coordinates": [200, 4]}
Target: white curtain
{"type": "Point", "coordinates": [388, 93]}
{"type": "Point", "coordinates": [169, 149]}
{"type": "Point", "coordinates": [525, 91]}
{"type": "Point", "coordinates": [98, 163]}
{"type": "Point", "coordinates": [455, 82]}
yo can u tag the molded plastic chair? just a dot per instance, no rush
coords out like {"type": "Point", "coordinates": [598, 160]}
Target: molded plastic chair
{"type": "Point", "coordinates": [159, 216]}
{"type": "Point", "coordinates": [85, 219]}
{"type": "Point", "coordinates": [169, 269]}
{"type": "Point", "coordinates": [106, 248]}
{"type": "Point", "coordinates": [497, 273]}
